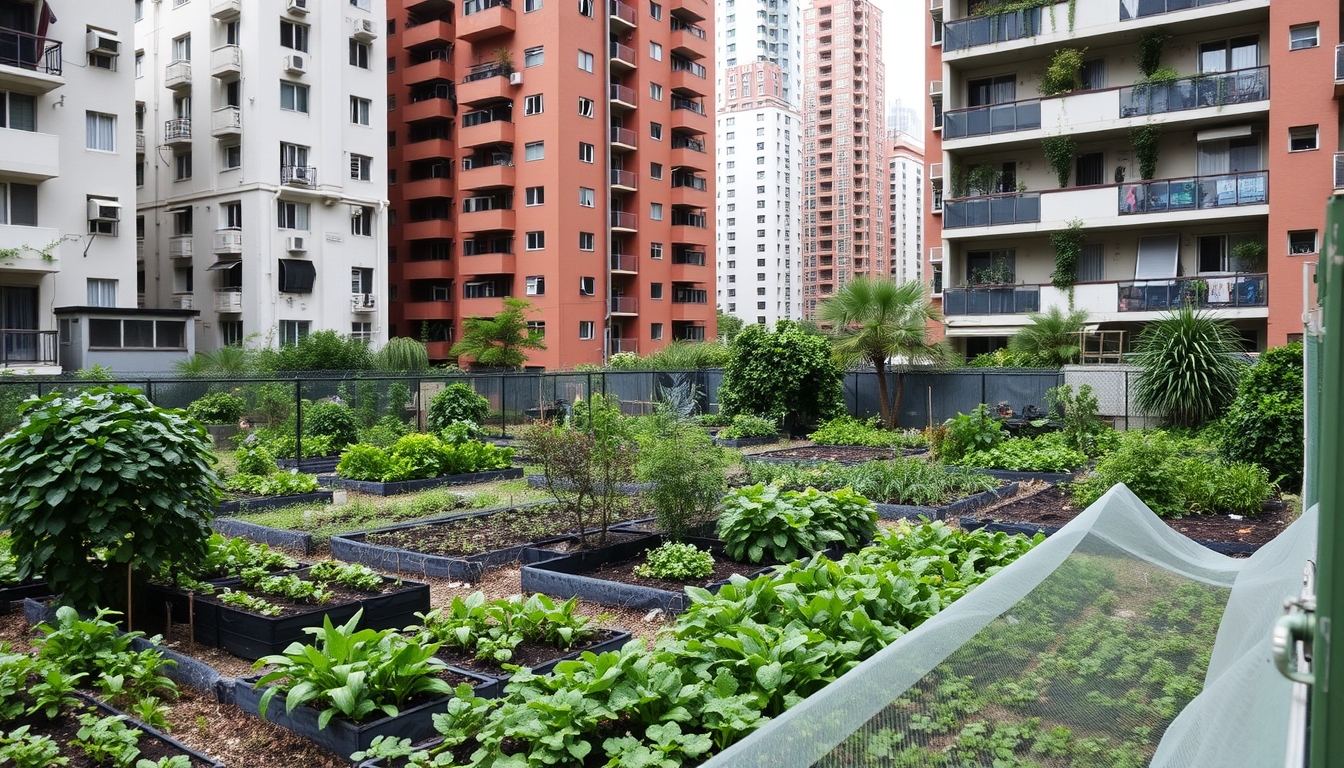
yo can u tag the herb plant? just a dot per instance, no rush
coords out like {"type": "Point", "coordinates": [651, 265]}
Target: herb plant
{"type": "Point", "coordinates": [847, 430]}
{"type": "Point", "coordinates": [745, 425]}
{"type": "Point", "coordinates": [21, 749]}
{"type": "Point", "coordinates": [676, 561]}
{"type": "Point", "coordinates": [908, 480]}
{"type": "Point", "coordinates": [249, 603]}
{"type": "Point", "coordinates": [1050, 452]}
{"type": "Point", "coordinates": [685, 470]}
{"type": "Point", "coordinates": [418, 456]}
{"type": "Point", "coordinates": [491, 629]}
{"type": "Point", "coordinates": [352, 575]}
{"type": "Point", "coordinates": [108, 740]}
{"type": "Point", "coordinates": [95, 647]}
{"type": "Point", "coordinates": [289, 483]}
{"type": "Point", "coordinates": [766, 523]}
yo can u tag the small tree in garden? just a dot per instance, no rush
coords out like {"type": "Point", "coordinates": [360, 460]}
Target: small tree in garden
{"type": "Point", "coordinates": [687, 472]}
{"type": "Point", "coordinates": [786, 374]}
{"type": "Point", "coordinates": [402, 354]}
{"type": "Point", "coordinates": [102, 481]}
{"type": "Point", "coordinates": [1190, 367]}
{"type": "Point", "coordinates": [885, 325]}
{"type": "Point", "coordinates": [457, 402]}
{"type": "Point", "coordinates": [584, 464]}
{"type": "Point", "coordinates": [1265, 422]}
{"type": "Point", "coordinates": [501, 341]}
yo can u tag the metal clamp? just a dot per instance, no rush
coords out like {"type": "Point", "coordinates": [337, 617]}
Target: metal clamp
{"type": "Point", "coordinates": [1296, 626]}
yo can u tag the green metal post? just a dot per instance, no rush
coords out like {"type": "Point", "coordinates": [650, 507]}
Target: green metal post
{"type": "Point", "coordinates": [1327, 704]}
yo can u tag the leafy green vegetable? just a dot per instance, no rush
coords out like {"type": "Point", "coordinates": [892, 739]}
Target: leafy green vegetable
{"type": "Point", "coordinates": [1050, 452]}
{"type": "Point", "coordinates": [24, 750]}
{"type": "Point", "coordinates": [763, 523]}
{"type": "Point", "coordinates": [848, 430]}
{"type": "Point", "coordinates": [108, 740]}
{"type": "Point", "coordinates": [676, 561]}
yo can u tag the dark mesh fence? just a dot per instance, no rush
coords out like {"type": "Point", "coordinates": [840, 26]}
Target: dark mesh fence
{"type": "Point", "coordinates": [930, 398]}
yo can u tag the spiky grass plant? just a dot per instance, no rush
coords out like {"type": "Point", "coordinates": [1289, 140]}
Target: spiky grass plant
{"type": "Point", "coordinates": [1190, 365]}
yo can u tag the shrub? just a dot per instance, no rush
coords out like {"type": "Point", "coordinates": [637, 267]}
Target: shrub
{"type": "Point", "coordinates": [848, 430]}
{"type": "Point", "coordinates": [457, 402]}
{"type": "Point", "coordinates": [687, 473]}
{"type": "Point", "coordinates": [364, 462]}
{"type": "Point", "coordinates": [1006, 358]}
{"type": "Point", "coordinates": [402, 354]}
{"type": "Point", "coordinates": [318, 351]}
{"type": "Point", "coordinates": [1078, 411]}
{"type": "Point", "coordinates": [334, 420]}
{"type": "Point", "coordinates": [1146, 463]}
{"type": "Point", "coordinates": [1227, 487]}
{"type": "Point", "coordinates": [1048, 453]}
{"type": "Point", "coordinates": [387, 431]}
{"type": "Point", "coordinates": [744, 425]}
{"type": "Point", "coordinates": [788, 373]}
{"type": "Point", "coordinates": [131, 483]}
{"type": "Point", "coordinates": [765, 523]}
{"type": "Point", "coordinates": [256, 460]}
{"type": "Point", "coordinates": [1266, 420]}
{"type": "Point", "coordinates": [218, 408]}
{"type": "Point", "coordinates": [713, 420]}
{"type": "Point", "coordinates": [584, 470]}
{"type": "Point", "coordinates": [966, 432]}
{"type": "Point", "coordinates": [676, 562]}
{"type": "Point", "coordinates": [1189, 368]}
{"type": "Point", "coordinates": [422, 454]}
{"type": "Point", "coordinates": [276, 484]}
{"type": "Point", "coordinates": [285, 447]}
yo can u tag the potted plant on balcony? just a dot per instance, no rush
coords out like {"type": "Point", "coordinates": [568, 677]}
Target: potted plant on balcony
{"type": "Point", "coordinates": [505, 59]}
{"type": "Point", "coordinates": [1064, 73]}
{"type": "Point", "coordinates": [1249, 256]}
{"type": "Point", "coordinates": [1195, 293]}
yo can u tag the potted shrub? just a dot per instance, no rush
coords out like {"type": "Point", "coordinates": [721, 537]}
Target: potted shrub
{"type": "Point", "coordinates": [220, 412]}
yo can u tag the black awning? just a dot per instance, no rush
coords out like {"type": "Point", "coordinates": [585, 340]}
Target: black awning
{"type": "Point", "coordinates": [297, 276]}
{"type": "Point", "coordinates": [218, 265]}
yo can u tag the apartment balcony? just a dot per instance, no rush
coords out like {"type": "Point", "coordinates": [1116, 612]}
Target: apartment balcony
{"type": "Point", "coordinates": [1339, 72]}
{"type": "Point", "coordinates": [624, 221]}
{"type": "Point", "coordinates": [13, 237]}
{"type": "Point", "coordinates": [488, 264]}
{"type": "Point", "coordinates": [687, 83]}
{"type": "Point", "coordinates": [484, 134]}
{"type": "Point", "coordinates": [226, 10]}
{"type": "Point", "coordinates": [428, 71]}
{"type": "Point", "coordinates": [992, 210]}
{"type": "Point", "coordinates": [226, 121]}
{"type": "Point", "coordinates": [298, 176]}
{"type": "Point", "coordinates": [228, 241]}
{"type": "Point", "coordinates": [483, 306]}
{"type": "Point", "coordinates": [363, 303]}
{"type": "Point", "coordinates": [29, 156]}
{"type": "Point", "coordinates": [996, 118]}
{"type": "Point", "coordinates": [622, 57]}
{"type": "Point", "coordinates": [430, 269]}
{"type": "Point", "coordinates": [1214, 90]}
{"type": "Point", "coordinates": [177, 75]}
{"type": "Point", "coordinates": [684, 295]}
{"type": "Point", "coordinates": [688, 115]}
{"type": "Point", "coordinates": [431, 34]}
{"type": "Point", "coordinates": [180, 247]}
{"type": "Point", "coordinates": [430, 149]}
{"type": "Point", "coordinates": [624, 181]}
{"type": "Point", "coordinates": [992, 300]}
{"type": "Point", "coordinates": [177, 132]}
{"type": "Point", "coordinates": [488, 82]}
{"type": "Point", "coordinates": [689, 266]}
{"type": "Point", "coordinates": [617, 346]}
{"type": "Point", "coordinates": [484, 19]}
{"type": "Point", "coordinates": [624, 264]}
{"type": "Point", "coordinates": [427, 109]}
{"type": "Point", "coordinates": [690, 228]}
{"type": "Point", "coordinates": [623, 140]}
{"type": "Point", "coordinates": [226, 62]}
{"type": "Point", "coordinates": [623, 17]}
{"type": "Point", "coordinates": [691, 10]}
{"type": "Point", "coordinates": [690, 191]}
{"type": "Point", "coordinates": [139, 143]}
{"type": "Point", "coordinates": [228, 300]}
{"type": "Point", "coordinates": [429, 229]}
{"type": "Point", "coordinates": [30, 63]}
{"type": "Point", "coordinates": [183, 301]}
{"type": "Point", "coordinates": [427, 310]}
{"type": "Point", "coordinates": [419, 189]}
{"type": "Point", "coordinates": [624, 305]}
{"type": "Point", "coordinates": [1339, 170]}
{"type": "Point", "coordinates": [1194, 193]}
{"type": "Point", "coordinates": [689, 153]}
{"type": "Point", "coordinates": [689, 40]}
{"type": "Point", "coordinates": [623, 98]}
{"type": "Point", "coordinates": [487, 221]}
{"type": "Point", "coordinates": [139, 249]}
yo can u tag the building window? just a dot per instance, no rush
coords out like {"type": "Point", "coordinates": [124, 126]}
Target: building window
{"type": "Point", "coordinates": [359, 110]}
{"type": "Point", "coordinates": [293, 36]}
{"type": "Point", "coordinates": [18, 111]}
{"type": "Point", "coordinates": [587, 241]}
{"type": "Point", "coordinates": [656, 131]}
{"type": "Point", "coordinates": [1302, 138]}
{"type": "Point", "coordinates": [140, 174]}
{"type": "Point", "coordinates": [536, 328]}
{"type": "Point", "coordinates": [656, 171]}
{"type": "Point", "coordinates": [102, 293]}
{"type": "Point", "coordinates": [361, 167]}
{"type": "Point", "coordinates": [292, 331]}
{"type": "Point", "coordinates": [585, 61]}
{"type": "Point", "coordinates": [536, 195]}
{"type": "Point", "coordinates": [532, 105]}
{"type": "Point", "coordinates": [587, 286]}
{"type": "Point", "coordinates": [585, 152]}
{"type": "Point", "coordinates": [586, 8]}
{"type": "Point", "coordinates": [536, 286]}
{"type": "Point", "coordinates": [1302, 242]}
{"type": "Point", "coordinates": [536, 241]}
{"type": "Point", "coordinates": [231, 332]}
{"type": "Point", "coordinates": [231, 215]}
{"type": "Point", "coordinates": [359, 54]}
{"type": "Point", "coordinates": [656, 11]}
{"type": "Point", "coordinates": [587, 329]}
{"type": "Point", "coordinates": [656, 331]}
{"type": "Point", "coordinates": [101, 132]}
{"type": "Point", "coordinates": [182, 48]}
{"type": "Point", "coordinates": [139, 64]}
{"type": "Point", "coordinates": [233, 156]}
{"type": "Point", "coordinates": [655, 51]}
{"type": "Point", "coordinates": [534, 150]}
{"type": "Point", "coordinates": [292, 215]}
{"type": "Point", "coordinates": [183, 167]}
{"type": "Point", "coordinates": [587, 198]}
{"type": "Point", "coordinates": [655, 92]}
{"type": "Point", "coordinates": [531, 5]}
{"type": "Point", "coordinates": [361, 331]}
{"type": "Point", "coordinates": [1304, 36]}
{"type": "Point", "coordinates": [362, 222]}
{"type": "Point", "coordinates": [534, 57]}
{"type": "Point", "coordinates": [293, 97]}
{"type": "Point", "coordinates": [656, 211]}
{"type": "Point", "coordinates": [585, 107]}
{"type": "Point", "coordinates": [655, 250]}
{"type": "Point", "coordinates": [655, 290]}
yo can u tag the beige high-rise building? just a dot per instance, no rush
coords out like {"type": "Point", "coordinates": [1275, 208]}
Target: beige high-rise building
{"type": "Point", "coordinates": [844, 154]}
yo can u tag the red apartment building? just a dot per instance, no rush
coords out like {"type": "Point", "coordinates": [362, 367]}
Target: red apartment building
{"type": "Point", "coordinates": [558, 151]}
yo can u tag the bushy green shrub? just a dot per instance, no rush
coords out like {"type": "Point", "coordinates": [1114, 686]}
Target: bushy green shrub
{"type": "Point", "coordinates": [1078, 412]}
{"type": "Point", "coordinates": [676, 561]}
{"type": "Point", "coordinates": [686, 471]}
{"type": "Point", "coordinates": [285, 447]}
{"type": "Point", "coordinates": [1050, 452]}
{"type": "Point", "coordinates": [256, 460]}
{"type": "Point", "coordinates": [387, 431]}
{"type": "Point", "coordinates": [420, 456]}
{"type": "Point", "coordinates": [848, 430]}
{"type": "Point", "coordinates": [788, 374]}
{"type": "Point", "coordinates": [1190, 367]}
{"type": "Point", "coordinates": [318, 351]}
{"type": "Point", "coordinates": [766, 523]}
{"type": "Point", "coordinates": [1146, 463]}
{"type": "Point", "coordinates": [1223, 487]}
{"type": "Point", "coordinates": [714, 420]}
{"type": "Point", "coordinates": [966, 432]}
{"type": "Point", "coordinates": [1265, 422]}
{"type": "Point", "coordinates": [275, 484]}
{"type": "Point", "coordinates": [364, 462]}
{"type": "Point", "coordinates": [334, 420]}
{"type": "Point", "coordinates": [218, 408]}
{"type": "Point", "coordinates": [744, 425]}
{"type": "Point", "coordinates": [457, 402]}
{"type": "Point", "coordinates": [1006, 358]}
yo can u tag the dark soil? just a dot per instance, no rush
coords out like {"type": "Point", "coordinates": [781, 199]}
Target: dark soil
{"type": "Point", "coordinates": [846, 453]}
{"type": "Point", "coordinates": [477, 535]}
{"type": "Point", "coordinates": [530, 655]}
{"type": "Point", "coordinates": [66, 728]}
{"type": "Point", "coordinates": [624, 573]}
{"type": "Point", "coordinates": [1053, 507]}
{"type": "Point", "coordinates": [340, 595]}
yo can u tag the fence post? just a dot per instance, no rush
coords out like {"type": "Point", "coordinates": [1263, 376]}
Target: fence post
{"type": "Point", "coordinates": [1126, 401]}
{"type": "Point", "coordinates": [982, 387]}
{"type": "Point", "coordinates": [502, 417]}
{"type": "Point", "coordinates": [149, 391]}
{"type": "Point", "coordinates": [298, 423]}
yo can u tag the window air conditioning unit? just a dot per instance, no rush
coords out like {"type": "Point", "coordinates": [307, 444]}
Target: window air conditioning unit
{"type": "Point", "coordinates": [296, 244]}
{"type": "Point", "coordinates": [439, 293]}
{"type": "Point", "coordinates": [104, 210]}
{"type": "Point", "coordinates": [365, 31]}
{"type": "Point", "coordinates": [298, 6]}
{"type": "Point", "coordinates": [935, 87]}
{"type": "Point", "coordinates": [515, 78]}
{"type": "Point", "coordinates": [366, 300]}
{"type": "Point", "coordinates": [104, 43]}
{"type": "Point", "coordinates": [296, 63]}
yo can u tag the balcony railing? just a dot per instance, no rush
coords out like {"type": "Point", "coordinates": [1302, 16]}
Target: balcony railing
{"type": "Point", "coordinates": [690, 296]}
{"type": "Point", "coordinates": [686, 219]}
{"type": "Point", "coordinates": [1156, 7]}
{"type": "Point", "coordinates": [229, 300]}
{"type": "Point", "coordinates": [28, 51]}
{"type": "Point", "coordinates": [487, 203]}
{"type": "Point", "coordinates": [476, 6]}
{"type": "Point", "coordinates": [624, 304]}
{"type": "Point", "coordinates": [1339, 170]}
{"type": "Point", "coordinates": [1194, 193]}
{"type": "Point", "coordinates": [992, 210]}
{"type": "Point", "coordinates": [623, 53]}
{"type": "Point", "coordinates": [685, 65]}
{"type": "Point", "coordinates": [622, 11]}
{"type": "Point", "coordinates": [686, 142]}
{"type": "Point", "coordinates": [229, 240]}
{"type": "Point", "coordinates": [298, 175]}
{"type": "Point", "coordinates": [484, 160]}
{"type": "Point", "coordinates": [997, 300]}
{"type": "Point", "coordinates": [177, 128]}
{"type": "Point", "coordinates": [983, 30]}
{"type": "Point", "coordinates": [1228, 292]}
{"type": "Point", "coordinates": [23, 346]}
{"type": "Point", "coordinates": [622, 93]}
{"type": "Point", "coordinates": [623, 136]}
{"type": "Point", "coordinates": [678, 25]}
{"type": "Point", "coordinates": [227, 120]}
{"type": "Point", "coordinates": [687, 180]}
{"type": "Point", "coordinates": [139, 142]}
{"type": "Point", "coordinates": [1215, 89]}
{"type": "Point", "coordinates": [694, 106]}
{"type": "Point", "coordinates": [994, 118]}
{"type": "Point", "coordinates": [620, 178]}
{"type": "Point", "coordinates": [617, 346]}
{"type": "Point", "coordinates": [624, 219]}
{"type": "Point", "coordinates": [490, 115]}
{"type": "Point", "coordinates": [484, 72]}
{"type": "Point", "coordinates": [696, 258]}
{"type": "Point", "coordinates": [363, 302]}
{"type": "Point", "coordinates": [1339, 63]}
{"type": "Point", "coordinates": [624, 262]}
{"type": "Point", "coordinates": [499, 245]}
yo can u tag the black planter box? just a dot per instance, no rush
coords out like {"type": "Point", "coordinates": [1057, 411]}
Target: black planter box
{"type": "Point", "coordinates": [564, 577]}
{"type": "Point", "coordinates": [1029, 529]}
{"type": "Point", "coordinates": [947, 511]}
{"type": "Point", "coordinates": [275, 537]}
{"type": "Point", "coordinates": [311, 464]}
{"type": "Point", "coordinates": [272, 502]}
{"type": "Point", "coordinates": [1054, 478]}
{"type": "Point", "coordinates": [409, 486]}
{"type": "Point", "coordinates": [616, 640]}
{"type": "Point", "coordinates": [355, 548]}
{"type": "Point", "coordinates": [748, 442]}
{"type": "Point", "coordinates": [16, 594]}
{"type": "Point", "coordinates": [341, 736]}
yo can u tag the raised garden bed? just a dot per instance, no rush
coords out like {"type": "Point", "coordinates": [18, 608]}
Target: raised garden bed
{"type": "Point", "coordinates": [605, 575]}
{"type": "Point", "coordinates": [1054, 478]}
{"type": "Point", "coordinates": [11, 596]}
{"type": "Point", "coordinates": [259, 503]}
{"type": "Point", "coordinates": [343, 737]}
{"type": "Point", "coordinates": [538, 657]}
{"type": "Point", "coordinates": [409, 486]}
{"type": "Point", "coordinates": [461, 546]}
{"type": "Point", "coordinates": [313, 465]}
{"type": "Point", "coordinates": [1051, 508]}
{"type": "Point", "coordinates": [748, 442]}
{"type": "Point", "coordinates": [629, 489]}
{"type": "Point", "coordinates": [848, 455]}
{"type": "Point", "coordinates": [949, 510]}
{"type": "Point", "coordinates": [297, 541]}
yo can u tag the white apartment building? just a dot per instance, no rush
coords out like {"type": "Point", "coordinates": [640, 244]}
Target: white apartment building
{"type": "Point", "coordinates": [67, 155]}
{"type": "Point", "coordinates": [263, 185]}
{"type": "Point", "coordinates": [758, 161]}
{"type": "Point", "coordinates": [905, 203]}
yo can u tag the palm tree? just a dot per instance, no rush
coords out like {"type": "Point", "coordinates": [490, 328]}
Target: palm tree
{"type": "Point", "coordinates": [875, 321]}
{"type": "Point", "coordinates": [1052, 337]}
{"type": "Point", "coordinates": [499, 341]}
{"type": "Point", "coordinates": [1190, 367]}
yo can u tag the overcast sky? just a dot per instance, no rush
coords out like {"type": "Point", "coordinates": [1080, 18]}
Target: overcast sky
{"type": "Point", "coordinates": [903, 27]}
